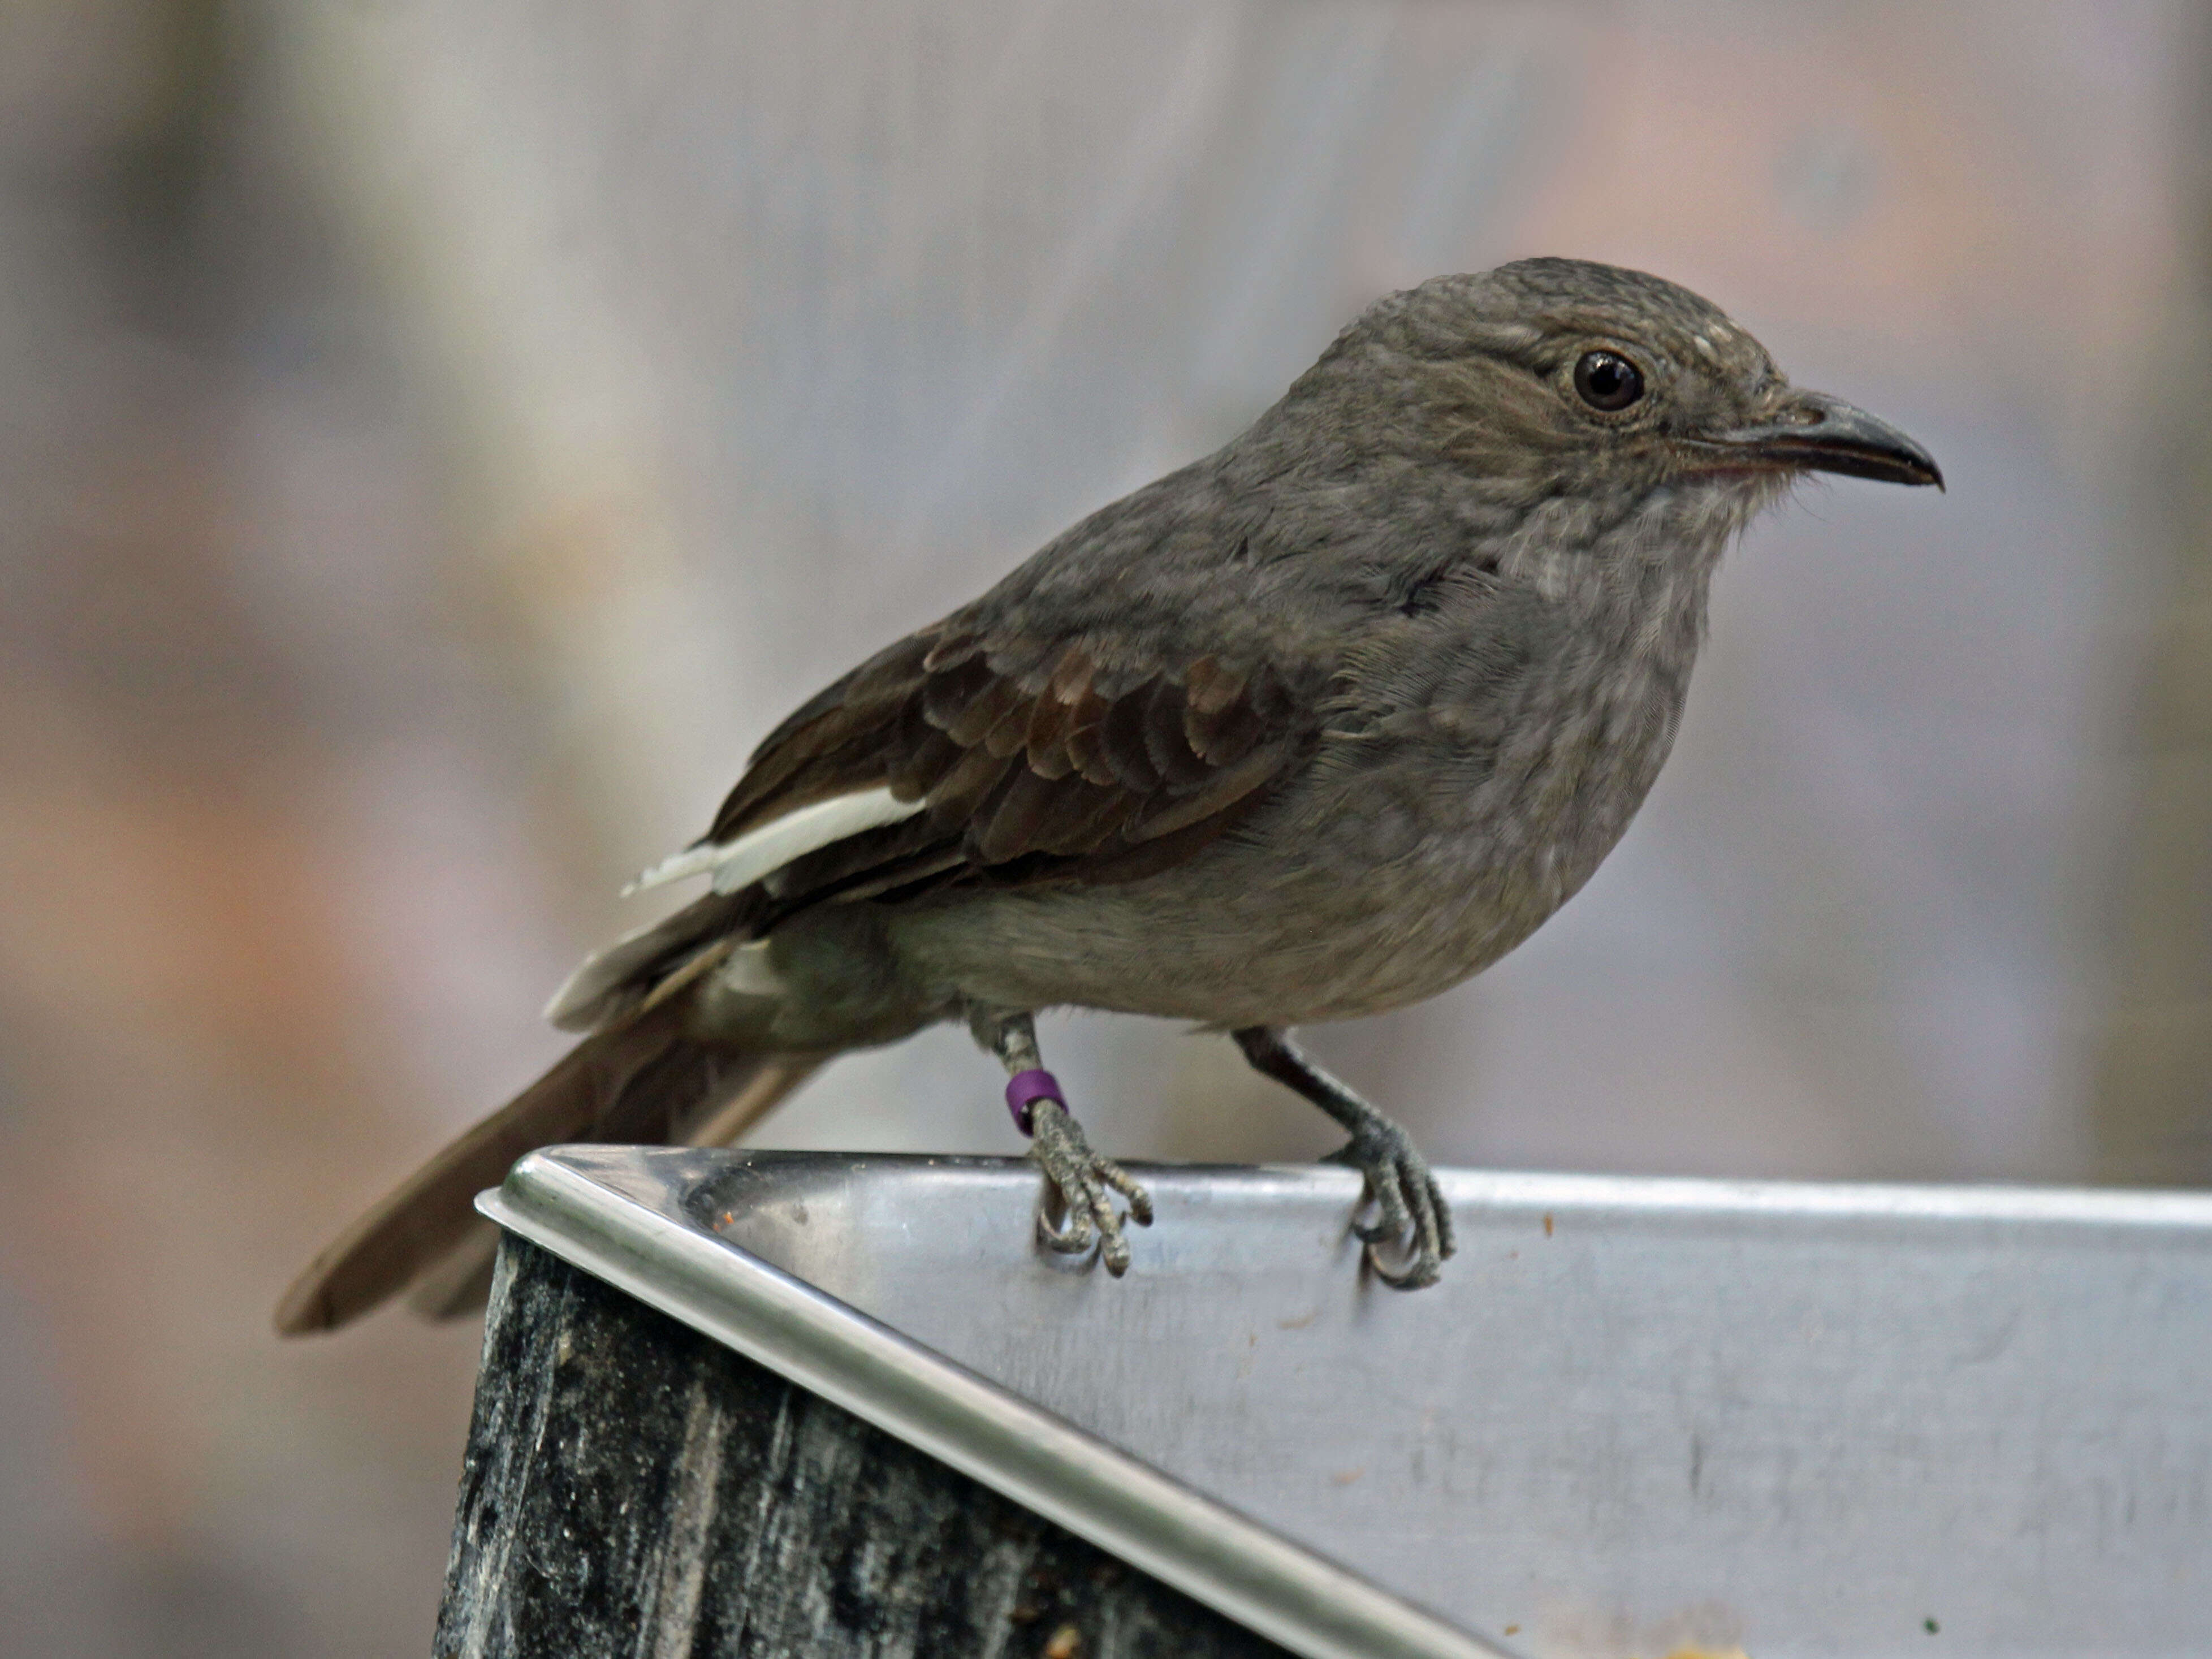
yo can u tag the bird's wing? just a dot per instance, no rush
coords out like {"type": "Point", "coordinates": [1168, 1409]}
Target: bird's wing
{"type": "Point", "coordinates": [993, 752]}
{"type": "Point", "coordinates": [970, 755]}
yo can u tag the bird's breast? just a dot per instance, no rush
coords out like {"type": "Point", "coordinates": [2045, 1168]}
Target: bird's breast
{"type": "Point", "coordinates": [1468, 835]}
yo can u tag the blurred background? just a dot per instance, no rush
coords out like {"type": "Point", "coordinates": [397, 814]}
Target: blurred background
{"type": "Point", "coordinates": [439, 437]}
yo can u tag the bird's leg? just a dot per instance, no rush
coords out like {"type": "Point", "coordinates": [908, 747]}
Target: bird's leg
{"type": "Point", "coordinates": [1407, 1199]}
{"type": "Point", "coordinates": [1082, 1178]}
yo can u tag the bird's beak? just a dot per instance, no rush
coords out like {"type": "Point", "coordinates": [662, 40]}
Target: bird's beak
{"type": "Point", "coordinates": [1815, 433]}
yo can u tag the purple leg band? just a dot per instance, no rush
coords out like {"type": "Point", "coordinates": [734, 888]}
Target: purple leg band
{"type": "Point", "coordinates": [1024, 1090]}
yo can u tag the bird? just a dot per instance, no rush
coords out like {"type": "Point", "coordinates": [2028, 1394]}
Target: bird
{"type": "Point", "coordinates": [1313, 728]}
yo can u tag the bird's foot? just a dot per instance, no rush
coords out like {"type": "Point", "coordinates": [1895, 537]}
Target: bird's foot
{"type": "Point", "coordinates": [1084, 1181]}
{"type": "Point", "coordinates": [1411, 1212]}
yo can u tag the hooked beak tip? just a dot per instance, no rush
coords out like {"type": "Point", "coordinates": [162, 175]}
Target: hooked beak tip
{"type": "Point", "coordinates": [1819, 433]}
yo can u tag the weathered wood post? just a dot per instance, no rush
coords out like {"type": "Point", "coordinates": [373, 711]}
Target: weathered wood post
{"type": "Point", "coordinates": [634, 1487]}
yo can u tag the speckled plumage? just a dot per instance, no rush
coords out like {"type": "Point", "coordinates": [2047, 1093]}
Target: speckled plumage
{"type": "Point", "coordinates": [1315, 727]}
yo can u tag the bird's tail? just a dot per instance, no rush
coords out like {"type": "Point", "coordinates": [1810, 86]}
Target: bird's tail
{"type": "Point", "coordinates": [647, 1080]}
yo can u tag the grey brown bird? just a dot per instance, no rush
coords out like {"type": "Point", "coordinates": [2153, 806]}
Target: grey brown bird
{"type": "Point", "coordinates": [1315, 727]}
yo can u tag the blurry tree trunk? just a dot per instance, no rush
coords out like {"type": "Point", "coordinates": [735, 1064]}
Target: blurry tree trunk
{"type": "Point", "coordinates": [576, 568]}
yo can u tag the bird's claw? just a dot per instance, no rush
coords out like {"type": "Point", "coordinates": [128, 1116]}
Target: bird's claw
{"type": "Point", "coordinates": [1411, 1211]}
{"type": "Point", "coordinates": [1083, 1180]}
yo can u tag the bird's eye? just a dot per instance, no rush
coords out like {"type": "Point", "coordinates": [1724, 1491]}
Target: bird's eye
{"type": "Point", "coordinates": [1607, 380]}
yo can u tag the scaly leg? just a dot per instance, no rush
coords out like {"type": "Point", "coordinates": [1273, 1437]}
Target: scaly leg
{"type": "Point", "coordinates": [1398, 1179]}
{"type": "Point", "coordinates": [1080, 1176]}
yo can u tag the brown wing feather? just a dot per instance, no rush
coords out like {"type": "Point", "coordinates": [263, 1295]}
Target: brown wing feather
{"type": "Point", "coordinates": [1038, 762]}
{"type": "Point", "coordinates": [832, 742]}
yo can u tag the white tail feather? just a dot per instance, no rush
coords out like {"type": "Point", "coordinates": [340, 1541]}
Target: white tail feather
{"type": "Point", "coordinates": [763, 851]}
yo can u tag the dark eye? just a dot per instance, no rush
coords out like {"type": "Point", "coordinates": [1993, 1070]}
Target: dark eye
{"type": "Point", "coordinates": [1608, 381]}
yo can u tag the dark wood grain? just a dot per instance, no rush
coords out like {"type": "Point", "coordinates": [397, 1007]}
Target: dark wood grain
{"type": "Point", "coordinates": [632, 1487]}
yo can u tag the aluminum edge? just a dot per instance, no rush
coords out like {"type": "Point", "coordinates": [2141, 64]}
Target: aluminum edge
{"type": "Point", "coordinates": [2120, 1211]}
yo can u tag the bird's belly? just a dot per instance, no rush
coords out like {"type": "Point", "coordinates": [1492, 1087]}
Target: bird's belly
{"type": "Point", "coordinates": [1237, 940]}
{"type": "Point", "coordinates": [1370, 889]}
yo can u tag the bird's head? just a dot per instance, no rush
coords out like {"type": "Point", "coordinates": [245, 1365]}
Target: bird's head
{"type": "Point", "coordinates": [1553, 378]}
